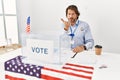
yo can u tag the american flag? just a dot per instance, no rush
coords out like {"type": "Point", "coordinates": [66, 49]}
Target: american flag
{"type": "Point", "coordinates": [28, 25]}
{"type": "Point", "coordinates": [69, 71]}
{"type": "Point", "coordinates": [15, 65]}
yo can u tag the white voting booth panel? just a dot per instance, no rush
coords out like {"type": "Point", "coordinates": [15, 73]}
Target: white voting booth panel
{"type": "Point", "coordinates": [46, 48]}
{"type": "Point", "coordinates": [41, 50]}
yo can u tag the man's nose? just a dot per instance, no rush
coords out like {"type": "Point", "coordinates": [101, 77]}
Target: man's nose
{"type": "Point", "coordinates": [70, 16]}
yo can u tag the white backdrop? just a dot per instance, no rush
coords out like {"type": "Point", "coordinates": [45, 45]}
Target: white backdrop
{"type": "Point", "coordinates": [102, 16]}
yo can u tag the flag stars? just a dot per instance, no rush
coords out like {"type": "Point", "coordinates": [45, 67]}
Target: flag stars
{"type": "Point", "coordinates": [22, 67]}
{"type": "Point", "coordinates": [15, 65]}
{"type": "Point", "coordinates": [10, 65]}
{"type": "Point", "coordinates": [28, 69]}
{"type": "Point", "coordinates": [8, 62]}
{"type": "Point", "coordinates": [8, 68]}
{"type": "Point", "coordinates": [18, 70]}
{"type": "Point", "coordinates": [34, 70]}
{"type": "Point", "coordinates": [19, 64]}
{"type": "Point", "coordinates": [24, 71]}
{"type": "Point", "coordinates": [31, 73]}
{"type": "Point", "coordinates": [37, 75]}
{"type": "Point", "coordinates": [25, 65]}
{"type": "Point", "coordinates": [38, 68]}
{"type": "Point", "coordinates": [13, 69]}
{"type": "Point", "coordinates": [31, 67]}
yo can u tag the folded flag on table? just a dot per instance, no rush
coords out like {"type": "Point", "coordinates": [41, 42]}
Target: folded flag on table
{"type": "Point", "coordinates": [15, 65]}
{"type": "Point", "coordinates": [67, 72]}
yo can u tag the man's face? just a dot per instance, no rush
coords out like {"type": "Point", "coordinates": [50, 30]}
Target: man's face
{"type": "Point", "coordinates": [71, 16]}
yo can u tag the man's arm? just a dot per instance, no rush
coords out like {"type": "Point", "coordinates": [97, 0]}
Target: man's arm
{"type": "Point", "coordinates": [89, 42]}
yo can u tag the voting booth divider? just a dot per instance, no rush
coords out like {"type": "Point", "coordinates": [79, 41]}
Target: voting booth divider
{"type": "Point", "coordinates": [45, 48]}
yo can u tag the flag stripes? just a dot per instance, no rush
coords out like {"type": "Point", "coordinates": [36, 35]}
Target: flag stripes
{"type": "Point", "coordinates": [28, 25]}
{"type": "Point", "coordinates": [69, 72]}
{"type": "Point", "coordinates": [28, 28]}
{"type": "Point", "coordinates": [77, 70]}
{"type": "Point", "coordinates": [47, 77]}
{"type": "Point", "coordinates": [13, 78]}
{"type": "Point", "coordinates": [81, 66]}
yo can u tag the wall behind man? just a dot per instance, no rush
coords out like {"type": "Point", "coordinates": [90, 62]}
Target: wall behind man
{"type": "Point", "coordinates": [102, 16]}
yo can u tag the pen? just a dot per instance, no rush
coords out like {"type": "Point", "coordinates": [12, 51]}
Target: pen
{"type": "Point", "coordinates": [74, 55]}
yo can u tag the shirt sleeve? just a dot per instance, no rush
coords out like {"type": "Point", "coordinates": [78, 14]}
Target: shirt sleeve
{"type": "Point", "coordinates": [89, 42]}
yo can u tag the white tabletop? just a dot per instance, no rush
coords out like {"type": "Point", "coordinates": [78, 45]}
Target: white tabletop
{"type": "Point", "coordinates": [112, 63]}
{"type": "Point", "coordinates": [107, 65]}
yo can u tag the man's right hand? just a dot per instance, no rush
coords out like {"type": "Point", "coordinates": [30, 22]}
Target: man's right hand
{"type": "Point", "coordinates": [78, 49]}
{"type": "Point", "coordinates": [66, 23]}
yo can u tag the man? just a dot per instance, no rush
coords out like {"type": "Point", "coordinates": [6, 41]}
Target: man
{"type": "Point", "coordinates": [79, 31]}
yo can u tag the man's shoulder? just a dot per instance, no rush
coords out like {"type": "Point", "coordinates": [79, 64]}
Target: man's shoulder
{"type": "Point", "coordinates": [84, 23]}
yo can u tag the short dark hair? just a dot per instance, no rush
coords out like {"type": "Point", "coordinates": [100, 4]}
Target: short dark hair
{"type": "Point", "coordinates": [73, 7]}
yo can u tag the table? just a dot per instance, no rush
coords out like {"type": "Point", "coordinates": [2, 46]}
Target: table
{"type": "Point", "coordinates": [112, 62]}
{"type": "Point", "coordinates": [106, 66]}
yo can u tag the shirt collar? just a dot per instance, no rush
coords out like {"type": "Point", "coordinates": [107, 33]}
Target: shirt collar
{"type": "Point", "coordinates": [77, 23]}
